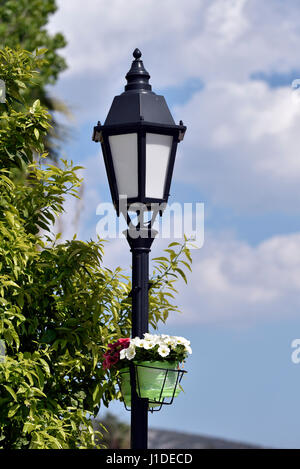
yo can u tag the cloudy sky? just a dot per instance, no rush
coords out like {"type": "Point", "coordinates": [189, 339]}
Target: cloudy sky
{"type": "Point", "coordinates": [226, 69]}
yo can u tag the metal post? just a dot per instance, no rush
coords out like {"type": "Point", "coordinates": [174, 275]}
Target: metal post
{"type": "Point", "coordinates": [140, 248]}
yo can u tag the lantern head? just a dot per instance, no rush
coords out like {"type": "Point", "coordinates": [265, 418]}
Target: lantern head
{"type": "Point", "coordinates": [139, 141]}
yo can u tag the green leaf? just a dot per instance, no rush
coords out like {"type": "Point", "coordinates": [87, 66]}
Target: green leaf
{"type": "Point", "coordinates": [11, 391]}
{"type": "Point", "coordinates": [28, 427]}
{"type": "Point", "coordinates": [182, 274]}
{"type": "Point", "coordinates": [38, 391]}
{"type": "Point", "coordinates": [97, 394]}
{"type": "Point", "coordinates": [41, 51]}
{"type": "Point", "coordinates": [36, 104]}
{"type": "Point", "coordinates": [13, 410]}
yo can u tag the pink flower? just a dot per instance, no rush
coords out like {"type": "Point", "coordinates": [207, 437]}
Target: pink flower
{"type": "Point", "coordinates": [125, 342]}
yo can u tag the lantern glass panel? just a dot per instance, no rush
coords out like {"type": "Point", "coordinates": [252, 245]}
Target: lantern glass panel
{"type": "Point", "coordinates": [158, 149]}
{"type": "Point", "coordinates": [124, 151]}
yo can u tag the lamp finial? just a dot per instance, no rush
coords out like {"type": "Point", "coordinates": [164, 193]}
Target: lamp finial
{"type": "Point", "coordinates": [137, 77]}
{"type": "Point", "coordinates": [137, 54]}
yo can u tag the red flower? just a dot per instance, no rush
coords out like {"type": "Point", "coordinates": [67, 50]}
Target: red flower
{"type": "Point", "coordinates": [105, 364]}
{"type": "Point", "coordinates": [112, 355]}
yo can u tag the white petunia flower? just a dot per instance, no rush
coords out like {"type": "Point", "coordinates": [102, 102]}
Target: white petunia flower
{"type": "Point", "coordinates": [130, 352]}
{"type": "Point", "coordinates": [149, 344]}
{"type": "Point", "coordinates": [141, 343]}
{"type": "Point", "coordinates": [163, 351]}
{"type": "Point", "coordinates": [135, 341]}
{"type": "Point", "coordinates": [123, 354]}
{"type": "Point", "coordinates": [182, 341]}
{"type": "Point", "coordinates": [151, 337]}
{"type": "Point", "coordinates": [170, 341]}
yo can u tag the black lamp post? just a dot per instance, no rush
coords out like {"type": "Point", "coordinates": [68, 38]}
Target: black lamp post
{"type": "Point", "coordinates": [139, 141]}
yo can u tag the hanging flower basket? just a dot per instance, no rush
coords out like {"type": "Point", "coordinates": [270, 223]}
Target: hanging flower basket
{"type": "Point", "coordinates": [154, 362]}
{"type": "Point", "coordinates": [159, 382]}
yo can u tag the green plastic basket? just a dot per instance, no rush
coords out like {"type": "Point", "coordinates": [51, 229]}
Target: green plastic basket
{"type": "Point", "coordinates": [155, 381]}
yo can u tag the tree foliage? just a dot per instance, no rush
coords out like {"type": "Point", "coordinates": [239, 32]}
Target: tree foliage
{"type": "Point", "coordinates": [23, 24]}
{"type": "Point", "coordinates": [59, 306]}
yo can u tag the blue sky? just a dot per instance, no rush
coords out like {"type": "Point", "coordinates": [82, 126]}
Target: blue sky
{"type": "Point", "coordinates": [225, 68]}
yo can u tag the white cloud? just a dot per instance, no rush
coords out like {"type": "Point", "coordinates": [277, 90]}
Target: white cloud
{"type": "Point", "coordinates": [243, 145]}
{"type": "Point", "coordinates": [226, 21]}
{"type": "Point", "coordinates": [207, 38]}
{"type": "Point", "coordinates": [236, 283]}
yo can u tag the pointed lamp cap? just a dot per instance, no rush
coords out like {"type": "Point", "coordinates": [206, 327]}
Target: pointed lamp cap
{"type": "Point", "coordinates": [137, 77]}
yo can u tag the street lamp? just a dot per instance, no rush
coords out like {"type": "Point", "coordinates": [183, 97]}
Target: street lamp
{"type": "Point", "coordinates": [139, 141]}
